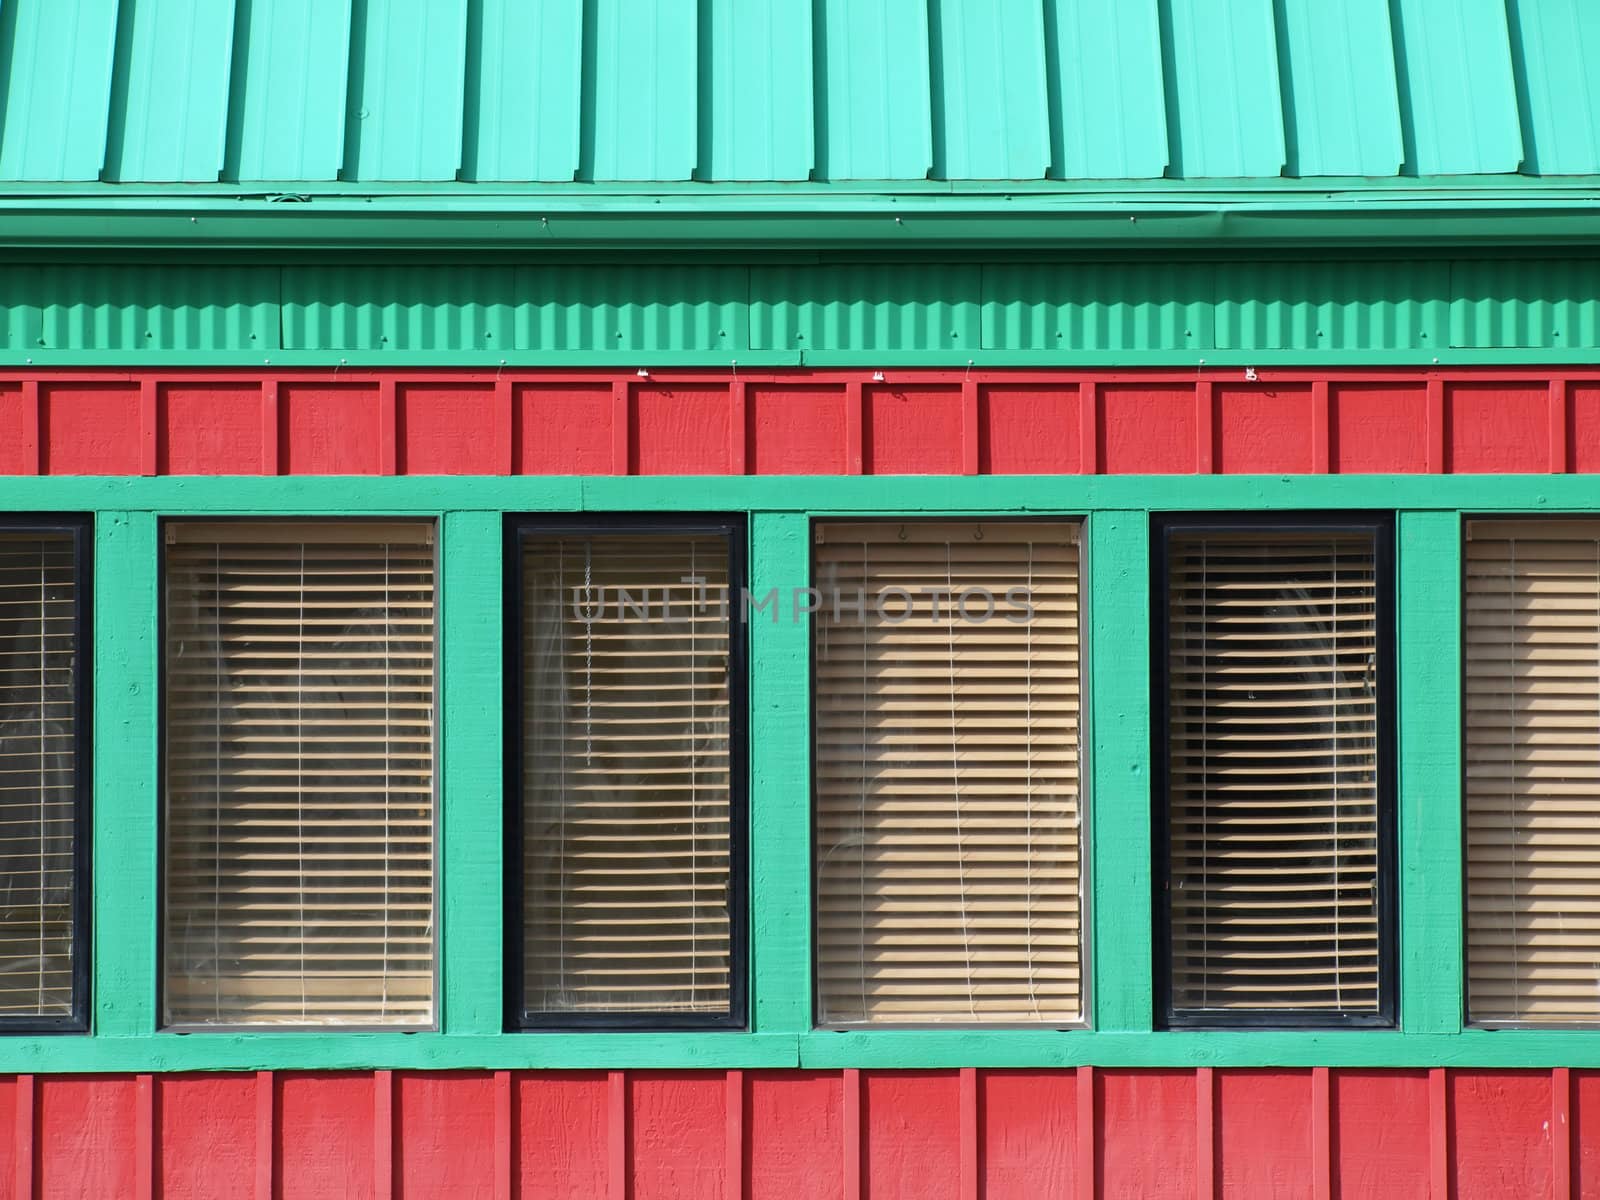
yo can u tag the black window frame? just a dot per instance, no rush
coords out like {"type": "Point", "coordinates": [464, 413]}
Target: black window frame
{"type": "Point", "coordinates": [80, 527]}
{"type": "Point", "coordinates": [519, 528]}
{"type": "Point", "coordinates": [1380, 527]}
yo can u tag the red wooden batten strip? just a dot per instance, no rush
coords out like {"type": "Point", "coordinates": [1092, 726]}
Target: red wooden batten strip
{"type": "Point", "coordinates": [32, 450]}
{"type": "Point", "coordinates": [271, 429]}
{"type": "Point", "coordinates": [265, 1129]}
{"type": "Point", "coordinates": [1089, 427]}
{"type": "Point", "coordinates": [969, 1133]}
{"type": "Point", "coordinates": [850, 1119]}
{"type": "Point", "coordinates": [854, 419]}
{"type": "Point", "coordinates": [733, 1137]}
{"type": "Point", "coordinates": [617, 1135]}
{"type": "Point", "coordinates": [969, 426]}
{"type": "Point", "coordinates": [1561, 1133]}
{"type": "Point", "coordinates": [383, 1135]}
{"type": "Point", "coordinates": [738, 428]}
{"type": "Point", "coordinates": [1439, 1133]}
{"type": "Point", "coordinates": [505, 1145]}
{"type": "Point", "coordinates": [1205, 1134]}
{"type": "Point", "coordinates": [1321, 430]}
{"type": "Point", "coordinates": [24, 1137]}
{"type": "Point", "coordinates": [1086, 1130]}
{"type": "Point", "coordinates": [1559, 461]}
{"type": "Point", "coordinates": [144, 1142]}
{"type": "Point", "coordinates": [1321, 1136]}
{"type": "Point", "coordinates": [1436, 430]}
{"type": "Point", "coordinates": [388, 427]}
{"type": "Point", "coordinates": [1205, 428]}
{"type": "Point", "coordinates": [620, 433]}
{"type": "Point", "coordinates": [504, 426]}
{"type": "Point", "coordinates": [149, 425]}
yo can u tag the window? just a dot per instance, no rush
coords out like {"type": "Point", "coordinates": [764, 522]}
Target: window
{"type": "Point", "coordinates": [1273, 657]}
{"type": "Point", "coordinates": [44, 775]}
{"type": "Point", "coordinates": [1532, 666]}
{"type": "Point", "coordinates": [627, 784]}
{"type": "Point", "coordinates": [299, 763]}
{"type": "Point", "coordinates": [947, 678]}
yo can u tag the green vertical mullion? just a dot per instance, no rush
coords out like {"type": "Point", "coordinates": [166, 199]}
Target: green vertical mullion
{"type": "Point", "coordinates": [1428, 636]}
{"type": "Point", "coordinates": [126, 659]}
{"type": "Point", "coordinates": [1118, 745]}
{"type": "Point", "coordinates": [780, 778]}
{"type": "Point", "coordinates": [472, 786]}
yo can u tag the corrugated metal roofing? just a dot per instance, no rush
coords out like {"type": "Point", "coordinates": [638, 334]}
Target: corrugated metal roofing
{"type": "Point", "coordinates": [687, 92]}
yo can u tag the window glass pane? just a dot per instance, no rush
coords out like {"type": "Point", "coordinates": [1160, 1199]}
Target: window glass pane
{"type": "Point", "coordinates": [625, 773]}
{"type": "Point", "coordinates": [299, 771]}
{"type": "Point", "coordinates": [1273, 771]}
{"type": "Point", "coordinates": [38, 785]}
{"type": "Point", "coordinates": [947, 660]}
{"type": "Point", "coordinates": [1532, 665]}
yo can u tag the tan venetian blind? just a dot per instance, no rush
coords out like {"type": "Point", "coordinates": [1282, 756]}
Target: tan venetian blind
{"type": "Point", "coordinates": [38, 652]}
{"type": "Point", "coordinates": [299, 773]}
{"type": "Point", "coordinates": [1272, 768]}
{"type": "Point", "coordinates": [1532, 660]}
{"type": "Point", "coordinates": [625, 773]}
{"type": "Point", "coordinates": [947, 773]}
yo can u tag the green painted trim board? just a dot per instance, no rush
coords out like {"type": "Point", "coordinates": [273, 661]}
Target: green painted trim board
{"type": "Point", "coordinates": [470, 512]}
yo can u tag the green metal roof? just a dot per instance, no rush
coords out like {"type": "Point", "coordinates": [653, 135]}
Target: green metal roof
{"type": "Point", "coordinates": [548, 106]}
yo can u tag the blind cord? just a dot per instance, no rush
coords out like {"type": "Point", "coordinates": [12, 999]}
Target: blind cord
{"type": "Point", "coordinates": [561, 807]}
{"type": "Point", "coordinates": [1338, 846]}
{"type": "Point", "coordinates": [1205, 774]}
{"type": "Point", "coordinates": [694, 785]}
{"type": "Point", "coordinates": [216, 794]}
{"type": "Point", "coordinates": [44, 807]}
{"type": "Point", "coordinates": [861, 813]}
{"type": "Point", "coordinates": [1027, 800]}
{"type": "Point", "coordinates": [955, 785]}
{"type": "Point", "coordinates": [300, 782]}
{"type": "Point", "coordinates": [1511, 772]}
{"type": "Point", "coordinates": [388, 837]}
{"type": "Point", "coordinates": [588, 654]}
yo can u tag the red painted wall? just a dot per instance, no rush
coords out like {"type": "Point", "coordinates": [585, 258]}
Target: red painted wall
{"type": "Point", "coordinates": [806, 1135]}
{"type": "Point", "coordinates": [798, 422]}
{"type": "Point", "coordinates": [798, 1134]}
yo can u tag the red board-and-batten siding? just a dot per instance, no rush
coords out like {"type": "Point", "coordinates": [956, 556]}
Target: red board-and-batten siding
{"type": "Point", "coordinates": [642, 1135]}
{"type": "Point", "coordinates": [344, 422]}
{"type": "Point", "coordinates": [807, 1135]}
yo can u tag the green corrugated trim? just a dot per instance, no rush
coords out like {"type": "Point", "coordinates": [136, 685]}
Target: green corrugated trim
{"type": "Point", "coordinates": [1118, 813]}
{"type": "Point", "coordinates": [945, 312]}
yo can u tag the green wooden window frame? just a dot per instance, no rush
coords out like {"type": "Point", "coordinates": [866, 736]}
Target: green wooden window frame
{"type": "Point", "coordinates": [780, 510]}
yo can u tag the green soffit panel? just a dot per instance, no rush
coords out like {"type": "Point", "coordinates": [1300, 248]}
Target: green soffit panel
{"type": "Point", "coordinates": [1418, 310]}
{"type": "Point", "coordinates": [267, 95]}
